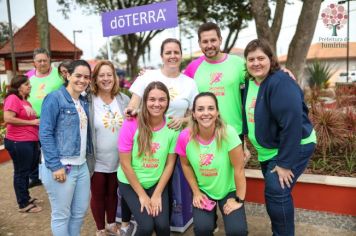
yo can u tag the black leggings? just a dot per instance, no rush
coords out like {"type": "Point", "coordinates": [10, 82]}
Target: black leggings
{"type": "Point", "coordinates": [235, 223]}
{"type": "Point", "coordinates": [146, 224]}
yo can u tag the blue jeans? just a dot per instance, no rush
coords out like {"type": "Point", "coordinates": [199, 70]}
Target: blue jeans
{"type": "Point", "coordinates": [24, 155]}
{"type": "Point", "coordinates": [69, 200]}
{"type": "Point", "coordinates": [235, 223]}
{"type": "Point", "coordinates": [279, 202]}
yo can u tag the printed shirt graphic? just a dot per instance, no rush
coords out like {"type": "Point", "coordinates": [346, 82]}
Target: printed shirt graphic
{"type": "Point", "coordinates": [107, 123]}
{"type": "Point", "coordinates": [43, 86]}
{"type": "Point", "coordinates": [212, 166]}
{"type": "Point", "coordinates": [263, 153]}
{"type": "Point", "coordinates": [23, 110]}
{"type": "Point", "coordinates": [182, 90]}
{"type": "Point", "coordinates": [224, 79]}
{"type": "Point", "coordinates": [83, 129]}
{"type": "Point", "coordinates": [148, 169]}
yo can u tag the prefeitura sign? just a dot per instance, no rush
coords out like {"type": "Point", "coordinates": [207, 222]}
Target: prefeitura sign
{"type": "Point", "coordinates": [138, 19]}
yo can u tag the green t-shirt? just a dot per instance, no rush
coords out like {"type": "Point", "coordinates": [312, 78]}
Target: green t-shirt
{"type": "Point", "coordinates": [264, 154]}
{"type": "Point", "coordinates": [147, 169]}
{"type": "Point", "coordinates": [212, 166]}
{"type": "Point", "coordinates": [224, 79]}
{"type": "Point", "coordinates": [43, 86]}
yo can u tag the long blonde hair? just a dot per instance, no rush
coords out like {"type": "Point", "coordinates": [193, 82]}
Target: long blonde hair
{"type": "Point", "coordinates": [144, 130]}
{"type": "Point", "coordinates": [220, 127]}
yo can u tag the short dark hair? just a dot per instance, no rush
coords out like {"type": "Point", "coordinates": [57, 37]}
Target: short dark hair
{"type": "Point", "coordinates": [65, 63]}
{"type": "Point", "coordinates": [170, 40]}
{"type": "Point", "coordinates": [266, 49]}
{"type": "Point", "coordinates": [15, 84]}
{"type": "Point", "coordinates": [40, 51]}
{"type": "Point", "coordinates": [207, 27]}
{"type": "Point", "coordinates": [74, 64]}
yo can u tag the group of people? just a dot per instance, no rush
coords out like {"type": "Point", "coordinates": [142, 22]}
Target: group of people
{"type": "Point", "coordinates": [105, 140]}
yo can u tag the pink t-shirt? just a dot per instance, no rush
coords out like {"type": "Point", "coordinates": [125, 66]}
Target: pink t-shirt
{"type": "Point", "coordinates": [23, 110]}
{"type": "Point", "coordinates": [126, 136]}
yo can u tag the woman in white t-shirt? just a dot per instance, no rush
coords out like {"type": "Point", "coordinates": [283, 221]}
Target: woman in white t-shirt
{"type": "Point", "coordinates": [106, 116]}
{"type": "Point", "coordinates": [182, 89]}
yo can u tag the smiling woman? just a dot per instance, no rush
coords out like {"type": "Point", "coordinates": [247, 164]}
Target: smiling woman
{"type": "Point", "coordinates": [66, 143]}
{"type": "Point", "coordinates": [147, 159]}
{"type": "Point", "coordinates": [275, 118]}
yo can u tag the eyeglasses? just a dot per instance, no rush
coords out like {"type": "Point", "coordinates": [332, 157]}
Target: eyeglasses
{"type": "Point", "coordinates": [108, 109]}
{"type": "Point", "coordinates": [41, 61]}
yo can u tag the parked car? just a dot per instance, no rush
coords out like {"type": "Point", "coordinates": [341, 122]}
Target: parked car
{"type": "Point", "coordinates": [343, 76]}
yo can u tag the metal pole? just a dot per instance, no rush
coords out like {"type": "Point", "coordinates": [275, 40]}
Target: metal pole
{"type": "Point", "coordinates": [74, 47]}
{"type": "Point", "coordinates": [13, 61]}
{"type": "Point", "coordinates": [108, 48]}
{"type": "Point", "coordinates": [348, 41]}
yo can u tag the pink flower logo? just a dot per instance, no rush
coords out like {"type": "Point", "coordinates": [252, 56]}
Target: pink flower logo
{"type": "Point", "coordinates": [215, 77]}
{"type": "Point", "coordinates": [154, 147]}
{"type": "Point", "coordinates": [334, 17]}
{"type": "Point", "coordinates": [206, 159]}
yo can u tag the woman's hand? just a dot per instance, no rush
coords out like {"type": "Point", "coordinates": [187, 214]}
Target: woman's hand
{"type": "Point", "coordinates": [175, 123]}
{"type": "Point", "coordinates": [231, 205]}
{"type": "Point", "coordinates": [198, 199]}
{"type": "Point", "coordinates": [59, 175]}
{"type": "Point", "coordinates": [285, 176]}
{"type": "Point", "coordinates": [145, 203]}
{"type": "Point", "coordinates": [36, 122]}
{"type": "Point", "coordinates": [130, 112]}
{"type": "Point", "coordinates": [156, 205]}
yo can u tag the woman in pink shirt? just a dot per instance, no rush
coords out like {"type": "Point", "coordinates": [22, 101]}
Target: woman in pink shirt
{"type": "Point", "coordinates": [21, 140]}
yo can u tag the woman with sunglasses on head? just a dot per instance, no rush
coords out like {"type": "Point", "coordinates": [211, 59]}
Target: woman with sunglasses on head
{"type": "Point", "coordinates": [106, 109]}
{"type": "Point", "coordinates": [213, 163]}
{"type": "Point", "coordinates": [66, 144]}
{"type": "Point", "coordinates": [21, 140]}
{"type": "Point", "coordinates": [275, 118]}
{"type": "Point", "coordinates": [147, 158]}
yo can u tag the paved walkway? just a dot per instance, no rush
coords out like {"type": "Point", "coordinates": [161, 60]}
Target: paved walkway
{"type": "Point", "coordinates": [13, 223]}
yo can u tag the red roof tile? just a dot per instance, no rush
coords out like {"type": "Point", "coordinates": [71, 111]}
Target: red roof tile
{"type": "Point", "coordinates": [27, 39]}
{"type": "Point", "coordinates": [325, 51]}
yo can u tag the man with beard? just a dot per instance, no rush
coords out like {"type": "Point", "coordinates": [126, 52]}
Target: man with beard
{"type": "Point", "coordinates": [220, 73]}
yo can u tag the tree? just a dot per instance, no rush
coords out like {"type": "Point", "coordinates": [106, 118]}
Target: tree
{"type": "Point", "coordinates": [134, 45]}
{"type": "Point", "coordinates": [4, 33]}
{"type": "Point", "coordinates": [229, 14]}
{"type": "Point", "coordinates": [302, 38]}
{"type": "Point", "coordinates": [41, 13]}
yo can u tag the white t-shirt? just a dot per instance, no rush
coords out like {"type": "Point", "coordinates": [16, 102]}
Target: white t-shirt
{"type": "Point", "coordinates": [83, 120]}
{"type": "Point", "coordinates": [107, 123]}
{"type": "Point", "coordinates": [182, 90]}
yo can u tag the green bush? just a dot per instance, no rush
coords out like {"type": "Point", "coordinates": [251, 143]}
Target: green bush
{"type": "Point", "coordinates": [320, 74]}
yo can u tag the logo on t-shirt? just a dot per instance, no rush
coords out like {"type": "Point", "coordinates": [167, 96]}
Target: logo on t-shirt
{"type": "Point", "coordinates": [206, 159]}
{"type": "Point", "coordinates": [112, 121]}
{"type": "Point", "coordinates": [41, 93]}
{"type": "Point", "coordinates": [173, 93]}
{"type": "Point", "coordinates": [251, 111]}
{"type": "Point", "coordinates": [155, 147]}
{"type": "Point", "coordinates": [29, 111]}
{"type": "Point", "coordinates": [215, 77]}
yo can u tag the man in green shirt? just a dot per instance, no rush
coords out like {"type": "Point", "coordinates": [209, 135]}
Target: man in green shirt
{"type": "Point", "coordinates": [44, 80]}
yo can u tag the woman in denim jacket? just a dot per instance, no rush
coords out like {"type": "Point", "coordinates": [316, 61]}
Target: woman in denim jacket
{"type": "Point", "coordinates": [65, 140]}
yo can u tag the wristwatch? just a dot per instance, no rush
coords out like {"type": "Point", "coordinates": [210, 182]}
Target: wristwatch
{"type": "Point", "coordinates": [239, 200]}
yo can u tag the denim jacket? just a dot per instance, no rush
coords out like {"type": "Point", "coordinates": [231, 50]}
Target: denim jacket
{"type": "Point", "coordinates": [59, 128]}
